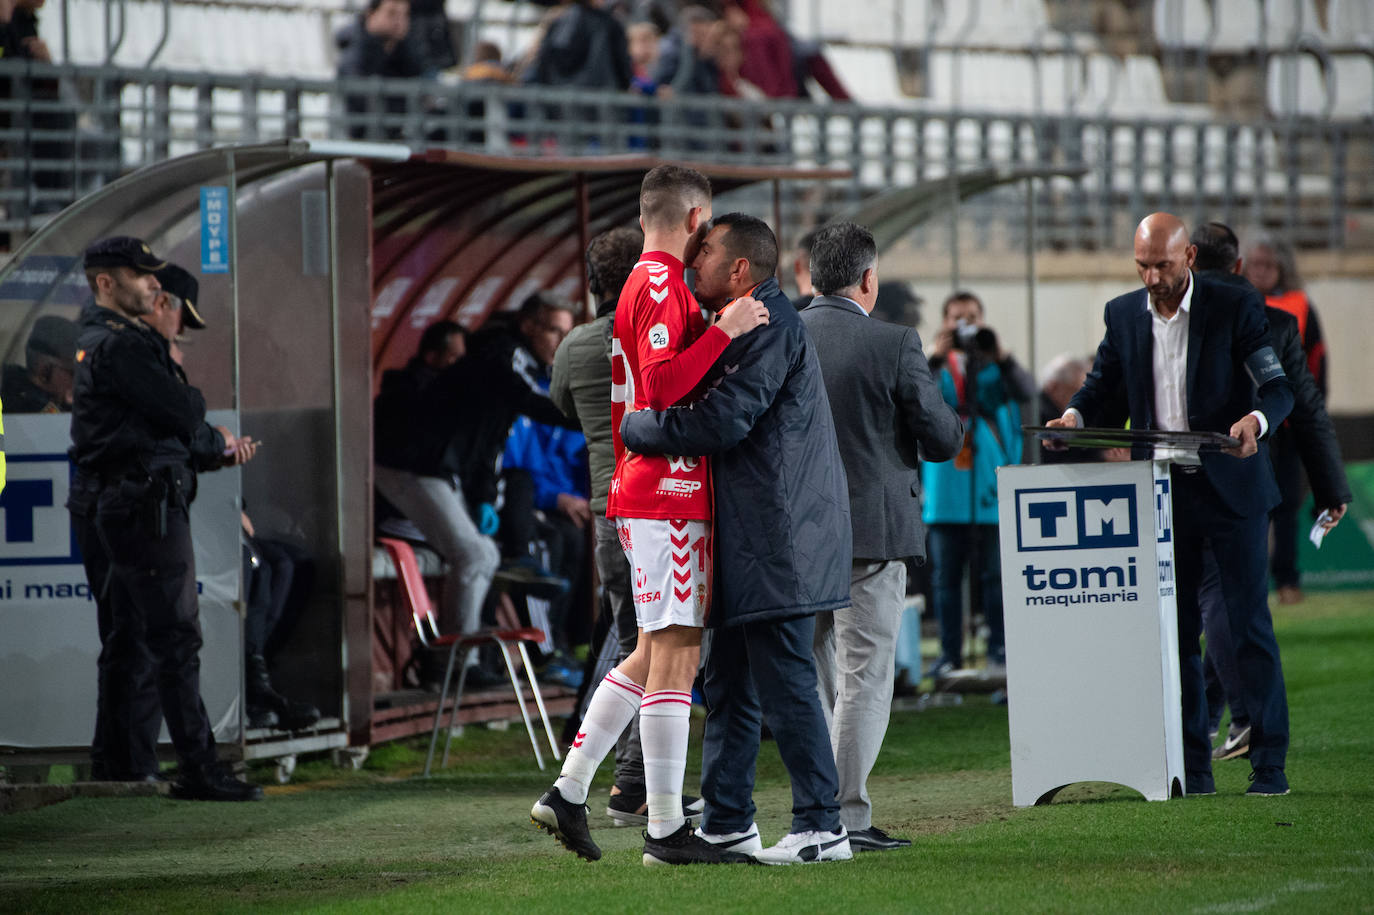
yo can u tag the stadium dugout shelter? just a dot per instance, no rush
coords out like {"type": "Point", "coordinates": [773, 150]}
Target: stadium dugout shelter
{"type": "Point", "coordinates": [320, 264]}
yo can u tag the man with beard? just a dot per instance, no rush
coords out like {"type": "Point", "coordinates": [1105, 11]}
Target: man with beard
{"type": "Point", "coordinates": [139, 437]}
{"type": "Point", "coordinates": [1188, 352]}
{"type": "Point", "coordinates": [783, 539]}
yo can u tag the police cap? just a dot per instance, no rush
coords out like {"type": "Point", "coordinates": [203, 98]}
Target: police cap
{"type": "Point", "coordinates": [184, 286]}
{"type": "Point", "coordinates": [123, 251]}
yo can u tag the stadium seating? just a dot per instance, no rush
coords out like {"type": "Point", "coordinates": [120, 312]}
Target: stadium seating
{"type": "Point", "coordinates": [1295, 86]}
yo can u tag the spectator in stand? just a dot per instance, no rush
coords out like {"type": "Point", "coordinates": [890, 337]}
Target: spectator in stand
{"type": "Point", "coordinates": [377, 43]}
{"type": "Point", "coordinates": [430, 33]}
{"type": "Point", "coordinates": [44, 383]}
{"type": "Point", "coordinates": [486, 66]}
{"type": "Point", "coordinates": [686, 59]}
{"type": "Point", "coordinates": [1271, 268]}
{"type": "Point", "coordinates": [1309, 425]}
{"type": "Point", "coordinates": [984, 384]}
{"type": "Point", "coordinates": [729, 57]}
{"type": "Point", "coordinates": [50, 159]}
{"type": "Point", "coordinates": [775, 61]}
{"type": "Point", "coordinates": [584, 47]}
{"type": "Point", "coordinates": [643, 38]}
{"type": "Point", "coordinates": [801, 270]}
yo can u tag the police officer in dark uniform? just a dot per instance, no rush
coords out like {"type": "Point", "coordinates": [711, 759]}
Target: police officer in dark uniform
{"type": "Point", "coordinates": [139, 437]}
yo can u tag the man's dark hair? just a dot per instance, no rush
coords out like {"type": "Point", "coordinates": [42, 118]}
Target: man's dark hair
{"type": "Point", "coordinates": [611, 257]}
{"type": "Point", "coordinates": [668, 192]}
{"type": "Point", "coordinates": [962, 295]}
{"type": "Point", "coordinates": [372, 5]}
{"type": "Point", "coordinates": [839, 256]}
{"type": "Point", "coordinates": [435, 338]}
{"type": "Point", "coordinates": [807, 242]}
{"type": "Point", "coordinates": [536, 302]}
{"type": "Point", "coordinates": [1217, 247]}
{"type": "Point", "coordinates": [750, 238]}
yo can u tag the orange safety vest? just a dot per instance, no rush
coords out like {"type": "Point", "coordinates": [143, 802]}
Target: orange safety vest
{"type": "Point", "coordinates": [1295, 302]}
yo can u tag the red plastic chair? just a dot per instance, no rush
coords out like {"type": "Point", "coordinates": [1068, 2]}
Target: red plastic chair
{"type": "Point", "coordinates": [412, 586]}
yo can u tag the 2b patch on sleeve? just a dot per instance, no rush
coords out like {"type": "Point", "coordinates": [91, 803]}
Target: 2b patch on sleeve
{"type": "Point", "coordinates": [658, 336]}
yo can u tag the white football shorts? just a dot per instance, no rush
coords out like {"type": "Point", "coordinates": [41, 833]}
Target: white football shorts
{"type": "Point", "coordinates": [670, 563]}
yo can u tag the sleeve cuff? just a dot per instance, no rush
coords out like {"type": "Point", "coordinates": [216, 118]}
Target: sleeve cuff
{"type": "Point", "coordinates": [1264, 423]}
{"type": "Point", "coordinates": [1078, 417]}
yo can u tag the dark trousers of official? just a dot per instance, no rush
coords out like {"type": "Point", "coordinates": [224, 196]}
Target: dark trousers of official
{"type": "Point", "coordinates": [951, 551]}
{"type": "Point", "coordinates": [1202, 523]}
{"type": "Point", "coordinates": [149, 625]}
{"type": "Point", "coordinates": [756, 672]}
{"type": "Point", "coordinates": [1288, 474]}
{"type": "Point", "coordinates": [1219, 671]}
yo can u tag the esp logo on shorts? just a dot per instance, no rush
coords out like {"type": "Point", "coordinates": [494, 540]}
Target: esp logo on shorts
{"type": "Point", "coordinates": [1081, 518]}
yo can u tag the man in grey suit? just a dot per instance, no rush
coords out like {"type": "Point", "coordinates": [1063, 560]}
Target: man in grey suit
{"type": "Point", "coordinates": [887, 408]}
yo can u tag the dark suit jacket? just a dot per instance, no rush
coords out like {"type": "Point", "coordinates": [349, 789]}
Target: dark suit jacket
{"type": "Point", "coordinates": [1309, 424]}
{"type": "Point", "coordinates": [886, 407]}
{"type": "Point", "coordinates": [782, 540]}
{"type": "Point", "coordinates": [1228, 339]}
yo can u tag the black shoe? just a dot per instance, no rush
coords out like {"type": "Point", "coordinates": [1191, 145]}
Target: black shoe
{"type": "Point", "coordinates": [567, 822]}
{"type": "Point", "coordinates": [215, 783]}
{"type": "Point", "coordinates": [1267, 781]}
{"type": "Point", "coordinates": [261, 717]}
{"type": "Point", "coordinates": [1199, 784]}
{"type": "Point", "coordinates": [686, 847]}
{"type": "Point", "coordinates": [290, 714]}
{"type": "Point", "coordinates": [481, 678]}
{"type": "Point", "coordinates": [632, 808]}
{"type": "Point", "coordinates": [874, 839]}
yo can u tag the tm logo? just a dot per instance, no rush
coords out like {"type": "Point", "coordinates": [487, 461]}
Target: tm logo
{"type": "Point", "coordinates": [34, 526]}
{"type": "Point", "coordinates": [1083, 518]}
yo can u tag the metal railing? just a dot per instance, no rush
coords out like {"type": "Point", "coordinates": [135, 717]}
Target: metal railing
{"type": "Point", "coordinates": [66, 130]}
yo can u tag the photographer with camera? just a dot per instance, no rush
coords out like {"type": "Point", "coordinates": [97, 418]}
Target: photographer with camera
{"type": "Point", "coordinates": [984, 384]}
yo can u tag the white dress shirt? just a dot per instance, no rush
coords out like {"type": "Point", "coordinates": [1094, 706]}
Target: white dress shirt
{"type": "Point", "coordinates": [1169, 363]}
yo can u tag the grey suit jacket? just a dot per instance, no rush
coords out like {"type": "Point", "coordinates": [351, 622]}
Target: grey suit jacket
{"type": "Point", "coordinates": [887, 407]}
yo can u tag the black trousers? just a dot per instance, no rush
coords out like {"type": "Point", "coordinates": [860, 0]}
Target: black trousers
{"type": "Point", "coordinates": [150, 634]}
{"type": "Point", "coordinates": [756, 672]}
{"type": "Point", "coordinates": [1201, 523]}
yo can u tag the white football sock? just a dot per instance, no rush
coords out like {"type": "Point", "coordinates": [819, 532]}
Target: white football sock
{"type": "Point", "coordinates": [612, 707]}
{"type": "Point", "coordinates": [663, 726]}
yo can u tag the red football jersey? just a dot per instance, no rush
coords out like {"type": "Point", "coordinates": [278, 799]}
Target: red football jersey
{"type": "Point", "coordinates": [660, 351]}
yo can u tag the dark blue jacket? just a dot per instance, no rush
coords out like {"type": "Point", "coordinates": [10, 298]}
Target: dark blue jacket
{"type": "Point", "coordinates": [783, 543]}
{"type": "Point", "coordinates": [1229, 351]}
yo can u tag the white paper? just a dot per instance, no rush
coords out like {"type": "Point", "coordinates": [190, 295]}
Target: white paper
{"type": "Point", "coordinates": [1318, 531]}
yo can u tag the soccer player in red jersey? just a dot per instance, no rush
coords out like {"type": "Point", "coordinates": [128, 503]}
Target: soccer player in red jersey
{"type": "Point", "coordinates": [661, 504]}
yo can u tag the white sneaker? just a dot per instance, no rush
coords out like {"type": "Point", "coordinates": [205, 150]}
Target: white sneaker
{"type": "Point", "coordinates": [747, 842]}
{"type": "Point", "coordinates": [805, 847]}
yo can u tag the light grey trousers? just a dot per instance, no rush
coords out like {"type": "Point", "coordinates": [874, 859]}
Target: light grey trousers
{"type": "Point", "coordinates": [438, 509]}
{"type": "Point", "coordinates": [855, 650]}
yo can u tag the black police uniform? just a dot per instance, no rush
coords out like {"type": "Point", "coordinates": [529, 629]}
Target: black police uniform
{"type": "Point", "coordinates": [138, 438]}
